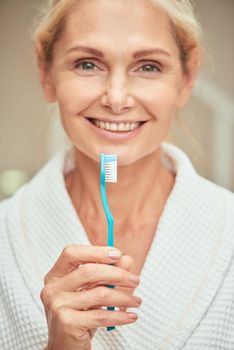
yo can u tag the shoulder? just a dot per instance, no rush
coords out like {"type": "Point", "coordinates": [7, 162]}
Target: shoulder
{"type": "Point", "coordinates": [206, 204]}
{"type": "Point", "coordinates": [5, 206]}
{"type": "Point", "coordinates": [3, 210]}
{"type": "Point", "coordinates": [216, 192]}
{"type": "Point", "coordinates": [216, 204]}
{"type": "Point", "coordinates": [204, 201]}
{"type": "Point", "coordinates": [191, 184]}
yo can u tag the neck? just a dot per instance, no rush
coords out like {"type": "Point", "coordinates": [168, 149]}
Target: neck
{"type": "Point", "coordinates": [139, 194]}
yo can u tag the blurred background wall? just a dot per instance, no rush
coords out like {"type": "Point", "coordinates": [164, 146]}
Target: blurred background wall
{"type": "Point", "coordinates": [30, 132]}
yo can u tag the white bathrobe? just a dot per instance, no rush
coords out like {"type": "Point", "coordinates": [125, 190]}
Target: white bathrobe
{"type": "Point", "coordinates": [187, 282]}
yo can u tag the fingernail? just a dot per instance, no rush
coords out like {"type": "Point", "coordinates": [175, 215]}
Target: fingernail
{"type": "Point", "coordinates": [132, 316]}
{"type": "Point", "coordinates": [114, 253]}
{"type": "Point", "coordinates": [134, 278]}
{"type": "Point", "coordinates": [138, 299]}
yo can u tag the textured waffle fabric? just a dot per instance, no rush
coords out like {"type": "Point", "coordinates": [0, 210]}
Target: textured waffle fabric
{"type": "Point", "coordinates": [187, 282]}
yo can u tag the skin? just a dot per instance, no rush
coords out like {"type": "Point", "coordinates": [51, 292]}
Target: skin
{"type": "Point", "coordinates": [117, 87]}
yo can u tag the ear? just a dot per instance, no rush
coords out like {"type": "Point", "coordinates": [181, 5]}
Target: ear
{"type": "Point", "coordinates": [188, 80]}
{"type": "Point", "coordinates": [45, 76]}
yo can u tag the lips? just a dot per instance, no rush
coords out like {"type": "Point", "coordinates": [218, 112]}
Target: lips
{"type": "Point", "coordinates": [115, 130]}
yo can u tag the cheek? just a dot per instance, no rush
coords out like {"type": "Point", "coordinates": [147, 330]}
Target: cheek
{"type": "Point", "coordinates": [161, 104]}
{"type": "Point", "coordinates": [163, 101]}
{"type": "Point", "coordinates": [73, 97]}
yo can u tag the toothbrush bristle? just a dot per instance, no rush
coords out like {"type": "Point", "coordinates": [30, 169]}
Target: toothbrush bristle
{"type": "Point", "coordinates": [111, 168]}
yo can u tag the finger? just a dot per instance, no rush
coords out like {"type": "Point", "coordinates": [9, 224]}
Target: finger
{"type": "Point", "coordinates": [93, 298]}
{"type": "Point", "coordinates": [84, 320]}
{"type": "Point", "coordinates": [75, 254]}
{"type": "Point", "coordinates": [127, 263]}
{"type": "Point", "coordinates": [96, 274]}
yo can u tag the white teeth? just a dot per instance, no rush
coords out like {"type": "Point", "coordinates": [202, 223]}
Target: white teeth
{"type": "Point", "coordinates": [98, 123]}
{"type": "Point", "coordinates": [121, 127]}
{"type": "Point", "coordinates": [113, 127]}
{"type": "Point", "coordinates": [116, 126]}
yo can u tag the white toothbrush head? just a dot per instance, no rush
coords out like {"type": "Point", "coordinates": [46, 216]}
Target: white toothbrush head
{"type": "Point", "coordinates": [111, 167]}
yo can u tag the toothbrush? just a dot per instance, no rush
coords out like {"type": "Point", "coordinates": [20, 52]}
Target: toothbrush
{"type": "Point", "coordinates": [108, 173]}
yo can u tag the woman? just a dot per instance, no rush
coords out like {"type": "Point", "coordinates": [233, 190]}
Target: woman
{"type": "Point", "coordinates": [119, 73]}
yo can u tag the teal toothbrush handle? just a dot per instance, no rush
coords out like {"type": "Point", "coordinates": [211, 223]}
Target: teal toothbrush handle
{"type": "Point", "coordinates": [110, 328]}
{"type": "Point", "coordinates": [110, 244]}
{"type": "Point", "coordinates": [109, 218]}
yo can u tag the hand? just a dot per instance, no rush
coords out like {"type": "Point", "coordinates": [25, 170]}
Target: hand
{"type": "Point", "coordinates": [75, 292]}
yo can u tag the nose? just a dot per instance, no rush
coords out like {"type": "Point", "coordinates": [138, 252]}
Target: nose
{"type": "Point", "coordinates": [116, 95]}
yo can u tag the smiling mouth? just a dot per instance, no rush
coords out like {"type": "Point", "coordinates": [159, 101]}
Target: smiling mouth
{"type": "Point", "coordinates": [115, 127]}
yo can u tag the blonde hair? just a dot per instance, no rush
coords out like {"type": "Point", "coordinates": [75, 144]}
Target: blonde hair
{"type": "Point", "coordinates": [186, 29]}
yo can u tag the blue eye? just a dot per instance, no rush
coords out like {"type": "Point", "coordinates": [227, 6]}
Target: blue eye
{"type": "Point", "coordinates": [83, 64]}
{"type": "Point", "coordinates": [152, 66]}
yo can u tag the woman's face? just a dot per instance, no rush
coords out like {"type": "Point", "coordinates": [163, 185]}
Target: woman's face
{"type": "Point", "coordinates": [113, 83]}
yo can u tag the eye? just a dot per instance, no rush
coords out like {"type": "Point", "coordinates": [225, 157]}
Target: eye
{"type": "Point", "coordinates": [151, 68]}
{"type": "Point", "coordinates": [87, 65]}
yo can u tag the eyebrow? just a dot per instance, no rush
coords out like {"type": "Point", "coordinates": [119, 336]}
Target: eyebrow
{"type": "Point", "coordinates": [136, 54]}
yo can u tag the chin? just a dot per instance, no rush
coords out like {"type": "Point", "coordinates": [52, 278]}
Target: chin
{"type": "Point", "coordinates": [124, 157]}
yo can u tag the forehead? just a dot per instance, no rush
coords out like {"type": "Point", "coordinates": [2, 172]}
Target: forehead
{"type": "Point", "coordinates": [128, 23]}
